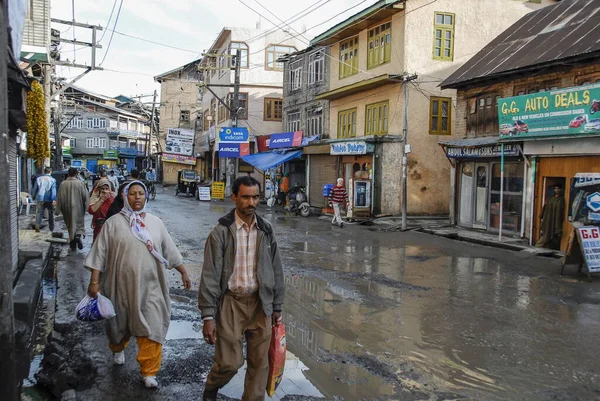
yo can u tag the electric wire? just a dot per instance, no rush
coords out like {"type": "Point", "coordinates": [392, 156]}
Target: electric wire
{"type": "Point", "coordinates": [108, 22]}
{"type": "Point", "coordinates": [112, 33]}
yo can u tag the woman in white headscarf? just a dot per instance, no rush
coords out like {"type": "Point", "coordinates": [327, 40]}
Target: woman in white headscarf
{"type": "Point", "coordinates": [129, 262]}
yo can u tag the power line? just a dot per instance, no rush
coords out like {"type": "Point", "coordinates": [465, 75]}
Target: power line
{"type": "Point", "coordinates": [112, 33]}
{"type": "Point", "coordinates": [108, 22]}
{"type": "Point", "coordinates": [153, 42]}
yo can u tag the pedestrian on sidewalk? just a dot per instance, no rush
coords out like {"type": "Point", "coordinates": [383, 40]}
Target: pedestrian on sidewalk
{"type": "Point", "coordinates": [241, 293]}
{"type": "Point", "coordinates": [72, 203]}
{"type": "Point", "coordinates": [129, 262]}
{"type": "Point", "coordinates": [118, 203]}
{"type": "Point", "coordinates": [339, 199]}
{"type": "Point", "coordinates": [44, 193]}
{"type": "Point", "coordinates": [100, 202]}
{"type": "Point", "coordinates": [113, 180]}
{"type": "Point", "coordinates": [553, 215]}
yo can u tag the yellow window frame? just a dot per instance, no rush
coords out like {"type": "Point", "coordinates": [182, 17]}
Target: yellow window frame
{"type": "Point", "coordinates": [347, 123]}
{"type": "Point", "coordinates": [377, 118]}
{"type": "Point", "coordinates": [436, 116]}
{"type": "Point", "coordinates": [348, 64]}
{"type": "Point", "coordinates": [443, 36]}
{"type": "Point", "coordinates": [379, 45]}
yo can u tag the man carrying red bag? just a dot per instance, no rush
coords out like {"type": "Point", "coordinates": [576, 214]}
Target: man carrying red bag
{"type": "Point", "coordinates": [241, 293]}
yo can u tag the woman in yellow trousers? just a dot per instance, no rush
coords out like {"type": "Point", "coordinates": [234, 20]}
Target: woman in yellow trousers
{"type": "Point", "coordinates": [129, 262]}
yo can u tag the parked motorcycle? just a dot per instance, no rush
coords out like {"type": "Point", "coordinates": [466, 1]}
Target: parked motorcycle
{"type": "Point", "coordinates": [299, 202]}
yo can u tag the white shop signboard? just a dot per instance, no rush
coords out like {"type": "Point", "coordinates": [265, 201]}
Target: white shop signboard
{"type": "Point", "coordinates": [589, 238]}
{"type": "Point", "coordinates": [179, 141]}
{"type": "Point", "coordinates": [204, 193]}
{"type": "Point", "coordinates": [349, 148]}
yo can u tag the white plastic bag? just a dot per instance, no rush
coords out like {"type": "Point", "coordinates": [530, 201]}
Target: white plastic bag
{"type": "Point", "coordinates": [94, 309]}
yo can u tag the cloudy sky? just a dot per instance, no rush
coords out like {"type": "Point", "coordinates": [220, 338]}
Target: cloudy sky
{"type": "Point", "coordinates": [188, 25]}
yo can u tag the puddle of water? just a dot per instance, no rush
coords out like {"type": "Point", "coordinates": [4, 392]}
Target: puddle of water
{"type": "Point", "coordinates": [179, 329]}
{"type": "Point", "coordinates": [294, 382]}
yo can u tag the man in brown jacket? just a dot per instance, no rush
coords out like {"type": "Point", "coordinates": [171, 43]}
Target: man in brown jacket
{"type": "Point", "coordinates": [241, 293]}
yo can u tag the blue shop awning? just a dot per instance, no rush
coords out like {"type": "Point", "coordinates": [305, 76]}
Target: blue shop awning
{"type": "Point", "coordinates": [266, 160]}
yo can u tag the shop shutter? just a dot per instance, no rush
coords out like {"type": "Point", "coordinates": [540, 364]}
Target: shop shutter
{"type": "Point", "coordinates": [323, 170]}
{"type": "Point", "coordinates": [14, 201]}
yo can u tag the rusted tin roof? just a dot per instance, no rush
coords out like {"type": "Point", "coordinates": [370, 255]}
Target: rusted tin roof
{"type": "Point", "coordinates": [550, 35]}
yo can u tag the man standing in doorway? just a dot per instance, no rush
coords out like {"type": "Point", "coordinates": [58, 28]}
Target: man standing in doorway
{"type": "Point", "coordinates": [553, 214]}
{"type": "Point", "coordinates": [44, 194]}
{"type": "Point", "coordinates": [339, 198]}
{"type": "Point", "coordinates": [241, 293]}
{"type": "Point", "coordinates": [72, 202]}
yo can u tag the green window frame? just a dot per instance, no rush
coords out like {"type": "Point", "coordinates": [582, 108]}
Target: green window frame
{"type": "Point", "coordinates": [379, 47]}
{"type": "Point", "coordinates": [443, 36]}
{"type": "Point", "coordinates": [347, 123]}
{"type": "Point", "coordinates": [348, 57]}
{"type": "Point", "coordinates": [440, 116]}
{"type": "Point", "coordinates": [376, 118]}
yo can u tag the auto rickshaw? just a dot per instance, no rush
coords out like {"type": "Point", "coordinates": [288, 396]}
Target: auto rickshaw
{"type": "Point", "coordinates": [187, 182]}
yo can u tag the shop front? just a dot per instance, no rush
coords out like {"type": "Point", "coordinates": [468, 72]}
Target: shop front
{"type": "Point", "coordinates": [127, 157]}
{"type": "Point", "coordinates": [480, 187]}
{"type": "Point", "coordinates": [560, 137]}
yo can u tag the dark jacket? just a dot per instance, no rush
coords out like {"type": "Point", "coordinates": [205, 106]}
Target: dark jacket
{"type": "Point", "coordinates": [219, 258]}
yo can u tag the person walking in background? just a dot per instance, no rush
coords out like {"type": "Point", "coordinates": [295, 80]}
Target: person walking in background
{"type": "Point", "coordinates": [339, 199]}
{"type": "Point", "coordinates": [72, 203]}
{"type": "Point", "coordinates": [114, 181]}
{"type": "Point", "coordinates": [44, 193]}
{"type": "Point", "coordinates": [241, 293]}
{"type": "Point", "coordinates": [129, 262]}
{"type": "Point", "coordinates": [100, 202]}
{"type": "Point", "coordinates": [118, 203]}
{"type": "Point", "coordinates": [553, 215]}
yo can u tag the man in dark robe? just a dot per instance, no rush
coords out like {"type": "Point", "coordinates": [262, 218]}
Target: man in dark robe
{"type": "Point", "coordinates": [553, 214]}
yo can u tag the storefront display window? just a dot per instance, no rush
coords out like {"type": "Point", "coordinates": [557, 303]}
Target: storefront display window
{"type": "Point", "coordinates": [512, 196]}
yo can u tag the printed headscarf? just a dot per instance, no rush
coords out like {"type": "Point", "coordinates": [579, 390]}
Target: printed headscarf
{"type": "Point", "coordinates": [136, 222]}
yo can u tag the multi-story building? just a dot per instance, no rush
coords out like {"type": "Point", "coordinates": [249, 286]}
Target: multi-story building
{"type": "Point", "coordinates": [306, 74]}
{"type": "Point", "coordinates": [180, 108]}
{"type": "Point", "coordinates": [371, 53]}
{"type": "Point", "coordinates": [545, 96]}
{"type": "Point", "coordinates": [102, 134]}
{"type": "Point", "coordinates": [260, 92]}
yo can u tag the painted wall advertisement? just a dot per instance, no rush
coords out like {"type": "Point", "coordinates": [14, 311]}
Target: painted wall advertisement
{"type": "Point", "coordinates": [181, 159]}
{"type": "Point", "coordinates": [571, 111]}
{"type": "Point", "coordinates": [179, 141]}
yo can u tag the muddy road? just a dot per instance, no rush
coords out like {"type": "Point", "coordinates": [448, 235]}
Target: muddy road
{"type": "Point", "coordinates": [379, 315]}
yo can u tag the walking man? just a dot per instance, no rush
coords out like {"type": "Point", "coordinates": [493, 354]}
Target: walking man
{"type": "Point", "coordinates": [44, 193]}
{"type": "Point", "coordinates": [114, 181]}
{"type": "Point", "coordinates": [339, 199]}
{"type": "Point", "coordinates": [553, 214]}
{"type": "Point", "coordinates": [241, 293]}
{"type": "Point", "coordinates": [72, 202]}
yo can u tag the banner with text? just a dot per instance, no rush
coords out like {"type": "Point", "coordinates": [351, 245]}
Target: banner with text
{"type": "Point", "coordinates": [563, 112]}
{"type": "Point", "coordinates": [234, 150]}
{"type": "Point", "coordinates": [181, 159]}
{"type": "Point", "coordinates": [285, 140]}
{"type": "Point", "coordinates": [179, 141]}
{"type": "Point", "coordinates": [233, 134]}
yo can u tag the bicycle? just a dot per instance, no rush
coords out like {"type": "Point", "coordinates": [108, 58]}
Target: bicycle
{"type": "Point", "coordinates": [151, 190]}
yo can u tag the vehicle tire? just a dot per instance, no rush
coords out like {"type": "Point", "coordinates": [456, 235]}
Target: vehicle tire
{"type": "Point", "coordinates": [305, 211]}
{"type": "Point", "coordinates": [153, 193]}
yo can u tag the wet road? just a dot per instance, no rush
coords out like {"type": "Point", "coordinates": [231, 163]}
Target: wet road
{"type": "Point", "coordinates": [377, 315]}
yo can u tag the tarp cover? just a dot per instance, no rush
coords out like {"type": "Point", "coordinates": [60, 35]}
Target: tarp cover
{"type": "Point", "coordinates": [266, 160]}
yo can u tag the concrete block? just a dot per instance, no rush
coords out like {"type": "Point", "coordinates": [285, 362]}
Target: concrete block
{"type": "Point", "coordinates": [26, 292]}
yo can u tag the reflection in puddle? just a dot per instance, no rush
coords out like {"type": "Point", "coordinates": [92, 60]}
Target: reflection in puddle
{"type": "Point", "coordinates": [179, 329]}
{"type": "Point", "coordinates": [294, 381]}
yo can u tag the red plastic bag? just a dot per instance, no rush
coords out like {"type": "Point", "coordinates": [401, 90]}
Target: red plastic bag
{"type": "Point", "coordinates": [277, 351]}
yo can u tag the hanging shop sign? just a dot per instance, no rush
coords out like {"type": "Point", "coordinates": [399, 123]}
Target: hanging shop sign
{"type": "Point", "coordinates": [234, 150]}
{"type": "Point", "coordinates": [111, 154]}
{"type": "Point", "coordinates": [285, 140]}
{"type": "Point", "coordinates": [233, 134]}
{"type": "Point", "coordinates": [561, 112]}
{"type": "Point", "coordinates": [349, 148]}
{"type": "Point", "coordinates": [179, 141]}
{"type": "Point", "coordinates": [181, 159]}
{"type": "Point", "coordinates": [482, 151]}
{"type": "Point", "coordinates": [218, 190]}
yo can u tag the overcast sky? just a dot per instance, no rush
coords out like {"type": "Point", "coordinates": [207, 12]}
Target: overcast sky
{"type": "Point", "coordinates": [191, 25]}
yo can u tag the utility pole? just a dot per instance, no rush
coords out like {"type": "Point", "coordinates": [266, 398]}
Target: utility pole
{"type": "Point", "coordinates": [57, 139]}
{"type": "Point", "coordinates": [405, 147]}
{"type": "Point", "coordinates": [8, 384]}
{"type": "Point", "coordinates": [149, 146]}
{"type": "Point", "coordinates": [234, 109]}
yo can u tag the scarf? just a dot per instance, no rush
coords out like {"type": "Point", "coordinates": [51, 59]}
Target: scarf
{"type": "Point", "coordinates": [136, 222]}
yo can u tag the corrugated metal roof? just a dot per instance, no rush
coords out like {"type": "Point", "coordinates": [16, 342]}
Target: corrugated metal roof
{"type": "Point", "coordinates": [470, 142]}
{"type": "Point", "coordinates": [551, 34]}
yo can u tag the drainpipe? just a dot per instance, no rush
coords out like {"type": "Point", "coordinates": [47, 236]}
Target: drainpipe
{"type": "Point", "coordinates": [532, 208]}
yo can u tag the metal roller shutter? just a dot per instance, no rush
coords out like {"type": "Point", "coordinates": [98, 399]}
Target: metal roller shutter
{"type": "Point", "coordinates": [323, 170]}
{"type": "Point", "coordinates": [14, 204]}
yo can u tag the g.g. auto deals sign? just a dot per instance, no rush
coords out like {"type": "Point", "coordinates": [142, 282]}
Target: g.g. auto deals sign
{"type": "Point", "coordinates": [570, 111]}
